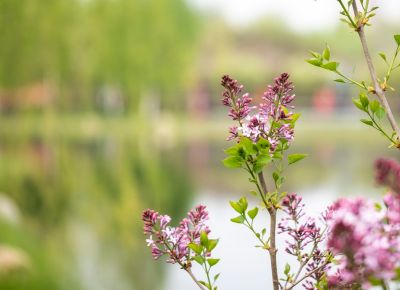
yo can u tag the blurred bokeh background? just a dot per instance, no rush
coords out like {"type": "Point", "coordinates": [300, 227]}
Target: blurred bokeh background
{"type": "Point", "coordinates": [108, 107]}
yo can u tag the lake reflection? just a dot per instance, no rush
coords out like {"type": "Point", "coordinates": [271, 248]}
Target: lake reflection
{"type": "Point", "coordinates": [80, 191]}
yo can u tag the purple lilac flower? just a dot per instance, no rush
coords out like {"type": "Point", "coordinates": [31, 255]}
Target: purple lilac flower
{"type": "Point", "coordinates": [239, 105]}
{"type": "Point", "coordinates": [305, 238]}
{"type": "Point", "coordinates": [387, 173]}
{"type": "Point", "coordinates": [368, 246]}
{"type": "Point", "coordinates": [273, 120]}
{"type": "Point", "coordinates": [174, 241]}
{"type": "Point", "coordinates": [302, 230]}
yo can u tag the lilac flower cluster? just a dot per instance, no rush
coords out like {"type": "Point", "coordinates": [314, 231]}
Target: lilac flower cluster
{"type": "Point", "coordinates": [387, 173]}
{"type": "Point", "coordinates": [303, 231]}
{"type": "Point", "coordinates": [273, 119]}
{"type": "Point", "coordinates": [174, 241]}
{"type": "Point", "coordinates": [367, 246]}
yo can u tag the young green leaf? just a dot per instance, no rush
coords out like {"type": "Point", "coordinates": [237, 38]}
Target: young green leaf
{"type": "Point", "coordinates": [397, 38]}
{"type": "Point", "coordinates": [196, 248]}
{"type": "Point", "coordinates": [364, 100]}
{"type": "Point", "coordinates": [340, 81]}
{"type": "Point", "coordinates": [293, 158]}
{"type": "Point", "coordinates": [199, 259]}
{"type": "Point", "coordinates": [212, 244]}
{"type": "Point", "coordinates": [232, 151]}
{"type": "Point", "coordinates": [374, 106]}
{"type": "Point", "coordinates": [212, 262]}
{"type": "Point", "coordinates": [367, 122]}
{"type": "Point", "coordinates": [238, 219]}
{"type": "Point", "coordinates": [380, 113]}
{"type": "Point", "coordinates": [326, 54]}
{"type": "Point", "coordinates": [248, 145]}
{"type": "Point", "coordinates": [204, 239]}
{"type": "Point", "coordinates": [233, 162]}
{"type": "Point", "coordinates": [332, 66]}
{"type": "Point", "coordinates": [253, 213]}
{"type": "Point", "coordinates": [237, 206]}
{"type": "Point", "coordinates": [243, 203]}
{"type": "Point", "coordinates": [287, 269]}
{"type": "Point", "coordinates": [315, 61]}
{"type": "Point", "coordinates": [358, 104]}
{"type": "Point", "coordinates": [383, 56]}
{"type": "Point", "coordinates": [261, 161]}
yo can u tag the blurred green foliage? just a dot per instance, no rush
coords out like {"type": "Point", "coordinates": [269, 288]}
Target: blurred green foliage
{"type": "Point", "coordinates": [137, 47]}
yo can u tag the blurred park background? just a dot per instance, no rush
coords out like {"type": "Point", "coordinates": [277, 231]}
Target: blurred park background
{"type": "Point", "coordinates": [108, 107]}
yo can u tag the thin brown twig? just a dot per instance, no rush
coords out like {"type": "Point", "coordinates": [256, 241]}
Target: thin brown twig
{"type": "Point", "coordinates": [377, 88]}
{"type": "Point", "coordinates": [272, 249]}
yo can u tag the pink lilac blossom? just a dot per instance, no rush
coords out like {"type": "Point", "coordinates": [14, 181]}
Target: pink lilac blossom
{"type": "Point", "coordinates": [174, 241]}
{"type": "Point", "coordinates": [367, 246]}
{"type": "Point", "coordinates": [273, 120]}
{"type": "Point", "coordinates": [387, 173]}
{"type": "Point", "coordinates": [305, 239]}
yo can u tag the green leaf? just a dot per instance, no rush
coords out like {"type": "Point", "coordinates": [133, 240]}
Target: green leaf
{"type": "Point", "coordinates": [397, 38]}
{"type": "Point", "coordinates": [199, 259]}
{"type": "Point", "coordinates": [212, 262]}
{"type": "Point", "coordinates": [378, 206]}
{"type": "Point", "coordinates": [358, 104]}
{"type": "Point", "coordinates": [374, 106]}
{"type": "Point", "coordinates": [248, 145]}
{"type": "Point", "coordinates": [367, 122]}
{"type": "Point", "coordinates": [326, 54]}
{"type": "Point", "coordinates": [238, 219]}
{"type": "Point", "coordinates": [295, 117]}
{"type": "Point", "coordinates": [287, 269]}
{"type": "Point", "coordinates": [332, 66]}
{"type": "Point", "coordinates": [243, 203]}
{"type": "Point", "coordinates": [216, 277]}
{"type": "Point", "coordinates": [262, 144]}
{"type": "Point", "coordinates": [196, 248]}
{"type": "Point", "coordinates": [205, 284]}
{"type": "Point", "coordinates": [364, 100]}
{"type": "Point", "coordinates": [383, 56]}
{"type": "Point", "coordinates": [340, 81]}
{"type": "Point", "coordinates": [232, 151]}
{"type": "Point", "coordinates": [275, 176]}
{"type": "Point", "coordinates": [212, 244]}
{"type": "Point", "coordinates": [261, 161]}
{"type": "Point", "coordinates": [380, 113]}
{"type": "Point", "coordinates": [253, 213]}
{"type": "Point", "coordinates": [315, 54]}
{"type": "Point", "coordinates": [315, 61]}
{"type": "Point", "coordinates": [237, 206]}
{"type": "Point", "coordinates": [204, 239]}
{"type": "Point", "coordinates": [233, 162]}
{"type": "Point", "coordinates": [293, 158]}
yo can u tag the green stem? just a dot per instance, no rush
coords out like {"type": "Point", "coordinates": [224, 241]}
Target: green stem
{"type": "Point", "coordinates": [379, 128]}
{"type": "Point", "coordinates": [385, 285]}
{"type": "Point", "coordinates": [392, 63]}
{"type": "Point", "coordinates": [207, 270]}
{"type": "Point", "coordinates": [250, 226]}
{"type": "Point", "coordinates": [351, 80]}
{"type": "Point", "coordinates": [346, 12]}
{"type": "Point", "coordinates": [260, 191]}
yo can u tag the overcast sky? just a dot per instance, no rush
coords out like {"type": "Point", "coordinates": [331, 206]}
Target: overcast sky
{"type": "Point", "coordinates": [299, 14]}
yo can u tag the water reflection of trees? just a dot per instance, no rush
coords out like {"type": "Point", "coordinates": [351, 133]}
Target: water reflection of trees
{"type": "Point", "coordinates": [80, 201]}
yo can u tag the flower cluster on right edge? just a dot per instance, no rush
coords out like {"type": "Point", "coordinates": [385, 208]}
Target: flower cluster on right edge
{"type": "Point", "coordinates": [365, 237]}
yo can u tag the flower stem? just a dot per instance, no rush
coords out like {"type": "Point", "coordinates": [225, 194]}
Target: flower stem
{"type": "Point", "coordinates": [189, 271]}
{"type": "Point", "coordinates": [378, 91]}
